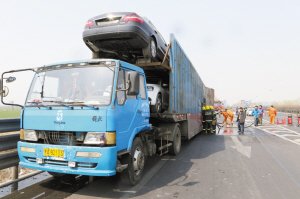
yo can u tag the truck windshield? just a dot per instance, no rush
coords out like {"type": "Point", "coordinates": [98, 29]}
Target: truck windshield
{"type": "Point", "coordinates": [77, 86]}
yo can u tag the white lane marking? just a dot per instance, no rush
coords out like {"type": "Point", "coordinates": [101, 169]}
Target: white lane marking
{"type": "Point", "coordinates": [37, 196]}
{"type": "Point", "coordinates": [281, 129]}
{"type": "Point", "coordinates": [244, 150]}
{"type": "Point", "coordinates": [283, 137]}
{"type": "Point", "coordinates": [124, 191]}
{"type": "Point", "coordinates": [289, 135]}
{"type": "Point", "coordinates": [290, 130]}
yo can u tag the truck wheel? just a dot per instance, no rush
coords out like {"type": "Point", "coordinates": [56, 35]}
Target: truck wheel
{"type": "Point", "coordinates": [176, 142]}
{"type": "Point", "coordinates": [136, 161]}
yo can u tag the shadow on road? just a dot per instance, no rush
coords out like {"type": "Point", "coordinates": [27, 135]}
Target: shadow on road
{"type": "Point", "coordinates": [172, 172]}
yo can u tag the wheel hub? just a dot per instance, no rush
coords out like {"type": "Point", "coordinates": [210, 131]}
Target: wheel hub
{"type": "Point", "coordinates": [138, 161]}
{"type": "Point", "coordinates": [177, 142]}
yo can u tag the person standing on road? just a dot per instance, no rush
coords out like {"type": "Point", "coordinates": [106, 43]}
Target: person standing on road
{"type": "Point", "coordinates": [241, 117]}
{"type": "Point", "coordinates": [261, 114]}
{"type": "Point", "coordinates": [272, 114]}
{"type": "Point", "coordinates": [255, 114]}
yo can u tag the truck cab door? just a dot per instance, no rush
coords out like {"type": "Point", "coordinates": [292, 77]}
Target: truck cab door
{"type": "Point", "coordinates": [132, 111]}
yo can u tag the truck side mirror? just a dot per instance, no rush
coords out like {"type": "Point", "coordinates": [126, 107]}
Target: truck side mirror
{"type": "Point", "coordinates": [134, 85]}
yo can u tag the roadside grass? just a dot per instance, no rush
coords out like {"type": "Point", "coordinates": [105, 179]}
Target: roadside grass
{"type": "Point", "coordinates": [9, 112]}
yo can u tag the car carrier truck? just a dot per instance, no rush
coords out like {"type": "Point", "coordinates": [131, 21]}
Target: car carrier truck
{"type": "Point", "coordinates": [92, 117]}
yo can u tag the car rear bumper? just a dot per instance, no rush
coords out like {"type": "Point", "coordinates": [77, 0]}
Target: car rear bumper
{"type": "Point", "coordinates": [105, 165]}
{"type": "Point", "coordinates": [117, 32]}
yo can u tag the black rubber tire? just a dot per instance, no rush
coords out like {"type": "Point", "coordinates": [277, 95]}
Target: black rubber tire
{"type": "Point", "coordinates": [157, 108]}
{"type": "Point", "coordinates": [151, 50]}
{"type": "Point", "coordinates": [176, 142]}
{"type": "Point", "coordinates": [133, 176]}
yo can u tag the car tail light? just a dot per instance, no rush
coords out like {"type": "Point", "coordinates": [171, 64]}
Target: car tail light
{"type": "Point", "coordinates": [89, 24]}
{"type": "Point", "coordinates": [133, 17]}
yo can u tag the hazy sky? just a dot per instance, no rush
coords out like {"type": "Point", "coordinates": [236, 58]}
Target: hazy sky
{"type": "Point", "coordinates": [244, 49]}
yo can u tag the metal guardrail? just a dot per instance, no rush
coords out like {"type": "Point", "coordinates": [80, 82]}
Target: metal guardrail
{"type": "Point", "coordinates": [8, 143]}
{"type": "Point", "coordinates": [7, 125]}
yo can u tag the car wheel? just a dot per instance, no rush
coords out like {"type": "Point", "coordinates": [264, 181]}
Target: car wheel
{"type": "Point", "coordinates": [151, 50]}
{"type": "Point", "coordinates": [157, 108]}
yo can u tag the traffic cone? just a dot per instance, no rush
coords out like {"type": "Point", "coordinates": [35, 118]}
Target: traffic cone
{"type": "Point", "coordinates": [290, 120]}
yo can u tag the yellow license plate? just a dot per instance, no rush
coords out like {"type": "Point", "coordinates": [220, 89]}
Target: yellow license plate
{"type": "Point", "coordinates": [53, 152]}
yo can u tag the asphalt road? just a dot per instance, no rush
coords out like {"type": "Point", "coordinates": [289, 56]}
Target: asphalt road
{"type": "Point", "coordinates": [263, 163]}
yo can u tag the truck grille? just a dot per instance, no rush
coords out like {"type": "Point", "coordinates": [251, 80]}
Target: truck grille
{"type": "Point", "coordinates": [59, 138]}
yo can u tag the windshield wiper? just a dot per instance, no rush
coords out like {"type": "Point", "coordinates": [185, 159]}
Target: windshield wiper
{"type": "Point", "coordinates": [78, 103]}
{"type": "Point", "coordinates": [58, 102]}
{"type": "Point", "coordinates": [38, 104]}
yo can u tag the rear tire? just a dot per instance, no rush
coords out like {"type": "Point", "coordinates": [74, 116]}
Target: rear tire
{"type": "Point", "coordinates": [151, 50]}
{"type": "Point", "coordinates": [176, 142]}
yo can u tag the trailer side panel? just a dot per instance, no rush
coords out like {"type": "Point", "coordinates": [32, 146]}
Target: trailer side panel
{"type": "Point", "coordinates": [186, 89]}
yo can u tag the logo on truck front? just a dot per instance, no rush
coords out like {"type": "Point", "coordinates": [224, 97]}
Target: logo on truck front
{"type": "Point", "coordinates": [59, 117]}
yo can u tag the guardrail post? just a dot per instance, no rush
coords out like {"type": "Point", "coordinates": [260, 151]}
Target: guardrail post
{"type": "Point", "coordinates": [15, 175]}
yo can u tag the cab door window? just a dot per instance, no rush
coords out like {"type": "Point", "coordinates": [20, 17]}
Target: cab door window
{"type": "Point", "coordinates": [121, 86]}
{"type": "Point", "coordinates": [142, 87]}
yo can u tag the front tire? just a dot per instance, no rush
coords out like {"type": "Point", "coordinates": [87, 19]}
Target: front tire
{"type": "Point", "coordinates": [136, 162]}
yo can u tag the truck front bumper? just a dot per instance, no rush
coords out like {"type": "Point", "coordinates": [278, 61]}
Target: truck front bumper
{"type": "Point", "coordinates": [91, 161]}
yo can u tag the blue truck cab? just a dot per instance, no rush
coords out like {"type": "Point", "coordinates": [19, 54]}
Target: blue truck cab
{"type": "Point", "coordinates": [79, 116]}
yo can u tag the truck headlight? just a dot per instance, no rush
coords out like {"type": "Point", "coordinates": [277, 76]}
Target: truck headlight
{"type": "Point", "coordinates": [94, 138]}
{"type": "Point", "coordinates": [29, 135]}
{"type": "Point", "coordinates": [100, 138]}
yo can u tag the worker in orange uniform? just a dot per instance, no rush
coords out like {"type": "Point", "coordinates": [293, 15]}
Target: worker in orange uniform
{"type": "Point", "coordinates": [225, 115]}
{"type": "Point", "coordinates": [272, 114]}
{"type": "Point", "coordinates": [230, 116]}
